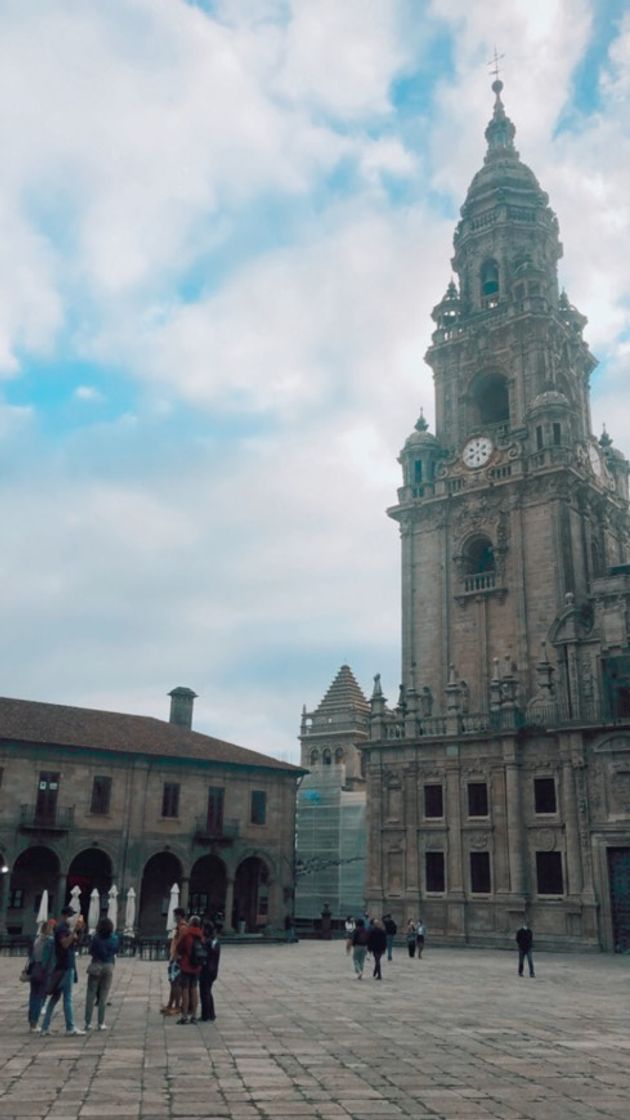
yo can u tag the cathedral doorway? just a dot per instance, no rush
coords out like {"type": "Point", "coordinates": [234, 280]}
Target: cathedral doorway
{"type": "Point", "coordinates": [619, 877]}
{"type": "Point", "coordinates": [160, 872]}
{"type": "Point", "coordinates": [91, 869]}
{"type": "Point", "coordinates": [251, 895]}
{"type": "Point", "coordinates": [208, 883]}
{"type": "Point", "coordinates": [34, 871]}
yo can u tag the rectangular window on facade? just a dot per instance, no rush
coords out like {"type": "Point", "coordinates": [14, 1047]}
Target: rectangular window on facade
{"type": "Point", "coordinates": [170, 799]}
{"type": "Point", "coordinates": [545, 795]}
{"type": "Point", "coordinates": [16, 900]}
{"type": "Point", "coordinates": [549, 873]}
{"type": "Point", "coordinates": [259, 806]}
{"type": "Point", "coordinates": [539, 438]}
{"type": "Point", "coordinates": [434, 869]}
{"type": "Point", "coordinates": [215, 809]}
{"type": "Point", "coordinates": [480, 873]}
{"type": "Point", "coordinates": [433, 801]}
{"type": "Point", "coordinates": [477, 799]}
{"type": "Point", "coordinates": [101, 795]}
{"type": "Point", "coordinates": [557, 434]}
{"type": "Point", "coordinates": [417, 472]}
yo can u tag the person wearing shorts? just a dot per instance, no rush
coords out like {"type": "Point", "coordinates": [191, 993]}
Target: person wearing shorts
{"type": "Point", "coordinates": [189, 978]}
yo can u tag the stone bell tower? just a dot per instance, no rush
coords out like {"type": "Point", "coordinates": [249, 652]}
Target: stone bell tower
{"type": "Point", "coordinates": [493, 787]}
{"type": "Point", "coordinates": [512, 505]}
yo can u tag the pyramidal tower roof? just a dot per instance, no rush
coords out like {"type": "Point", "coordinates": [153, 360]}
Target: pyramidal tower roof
{"type": "Point", "coordinates": [344, 694]}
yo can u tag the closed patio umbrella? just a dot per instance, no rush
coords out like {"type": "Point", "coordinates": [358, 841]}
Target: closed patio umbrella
{"type": "Point", "coordinates": [112, 906]}
{"type": "Point", "coordinates": [42, 913]}
{"type": "Point", "coordinates": [130, 912]}
{"type": "Point", "coordinates": [94, 911]}
{"type": "Point", "coordinates": [173, 903]}
{"type": "Point", "coordinates": [75, 899]}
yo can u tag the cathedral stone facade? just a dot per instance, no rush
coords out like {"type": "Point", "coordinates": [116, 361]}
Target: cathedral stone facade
{"type": "Point", "coordinates": [499, 786]}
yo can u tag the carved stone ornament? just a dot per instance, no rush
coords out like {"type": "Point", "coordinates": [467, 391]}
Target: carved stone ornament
{"type": "Point", "coordinates": [544, 839]}
{"type": "Point", "coordinates": [479, 840]}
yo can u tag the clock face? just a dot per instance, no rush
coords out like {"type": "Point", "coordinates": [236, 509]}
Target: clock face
{"type": "Point", "coordinates": [595, 461]}
{"type": "Point", "coordinates": [477, 452]}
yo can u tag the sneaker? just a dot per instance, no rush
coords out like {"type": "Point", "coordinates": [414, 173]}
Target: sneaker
{"type": "Point", "coordinates": [44, 1032]}
{"type": "Point", "coordinates": [192, 1019]}
{"type": "Point", "coordinates": [75, 1031]}
{"type": "Point", "coordinates": [88, 1027]}
{"type": "Point", "coordinates": [103, 1027]}
{"type": "Point", "coordinates": [182, 1022]}
{"type": "Point", "coordinates": [35, 1030]}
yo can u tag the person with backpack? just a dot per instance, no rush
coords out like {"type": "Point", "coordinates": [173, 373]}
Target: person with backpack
{"type": "Point", "coordinates": [191, 951]}
{"type": "Point", "coordinates": [40, 966]}
{"type": "Point", "coordinates": [359, 948]}
{"type": "Point", "coordinates": [209, 971]}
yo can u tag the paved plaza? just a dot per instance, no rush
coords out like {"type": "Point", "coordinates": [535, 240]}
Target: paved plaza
{"type": "Point", "coordinates": [457, 1034]}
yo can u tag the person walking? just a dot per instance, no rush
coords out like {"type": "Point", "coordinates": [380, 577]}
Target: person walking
{"type": "Point", "coordinates": [67, 936]}
{"type": "Point", "coordinates": [391, 929]}
{"type": "Point", "coordinates": [192, 956]}
{"type": "Point", "coordinates": [174, 1005]}
{"type": "Point", "coordinates": [100, 972]}
{"type": "Point", "coordinates": [377, 944]}
{"type": "Point", "coordinates": [290, 935]}
{"type": "Point", "coordinates": [41, 964]}
{"type": "Point", "coordinates": [359, 947]}
{"type": "Point", "coordinates": [421, 932]}
{"type": "Point", "coordinates": [411, 937]}
{"type": "Point", "coordinates": [525, 942]}
{"type": "Point", "coordinates": [209, 972]}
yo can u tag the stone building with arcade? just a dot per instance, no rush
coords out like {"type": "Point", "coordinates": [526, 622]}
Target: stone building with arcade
{"type": "Point", "coordinates": [498, 787]}
{"type": "Point", "coordinates": [92, 798]}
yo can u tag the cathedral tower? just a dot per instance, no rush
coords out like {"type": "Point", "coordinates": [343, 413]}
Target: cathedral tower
{"type": "Point", "coordinates": [514, 527]}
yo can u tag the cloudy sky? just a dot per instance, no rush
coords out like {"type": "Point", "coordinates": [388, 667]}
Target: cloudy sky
{"type": "Point", "coordinates": [223, 226]}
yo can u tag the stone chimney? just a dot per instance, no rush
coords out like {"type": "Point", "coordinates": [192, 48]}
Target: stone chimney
{"type": "Point", "coordinates": [182, 701]}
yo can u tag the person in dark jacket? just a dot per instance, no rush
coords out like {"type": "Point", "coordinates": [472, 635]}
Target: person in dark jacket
{"type": "Point", "coordinates": [209, 971]}
{"type": "Point", "coordinates": [525, 942]}
{"type": "Point", "coordinates": [103, 949]}
{"type": "Point", "coordinates": [391, 929]}
{"type": "Point", "coordinates": [377, 944]}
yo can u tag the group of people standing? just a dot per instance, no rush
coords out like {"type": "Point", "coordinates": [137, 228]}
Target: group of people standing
{"type": "Point", "coordinates": [52, 971]}
{"type": "Point", "coordinates": [192, 969]}
{"type": "Point", "coordinates": [374, 936]}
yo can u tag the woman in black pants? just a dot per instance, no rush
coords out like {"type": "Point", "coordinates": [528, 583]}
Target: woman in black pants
{"type": "Point", "coordinates": [209, 971]}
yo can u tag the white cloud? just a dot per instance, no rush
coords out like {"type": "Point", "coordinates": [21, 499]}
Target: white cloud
{"type": "Point", "coordinates": [88, 393]}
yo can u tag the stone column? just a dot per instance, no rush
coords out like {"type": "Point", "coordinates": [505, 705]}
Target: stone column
{"type": "Point", "coordinates": [60, 896]}
{"type": "Point", "coordinates": [5, 885]}
{"type": "Point", "coordinates": [514, 812]}
{"type": "Point", "coordinates": [572, 831]}
{"type": "Point", "coordinates": [500, 845]}
{"type": "Point", "coordinates": [454, 871]}
{"type": "Point", "coordinates": [229, 903]}
{"type": "Point", "coordinates": [183, 892]}
{"type": "Point", "coordinates": [411, 879]}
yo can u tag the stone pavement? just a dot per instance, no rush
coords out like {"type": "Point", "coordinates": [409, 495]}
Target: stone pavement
{"type": "Point", "coordinates": [456, 1035]}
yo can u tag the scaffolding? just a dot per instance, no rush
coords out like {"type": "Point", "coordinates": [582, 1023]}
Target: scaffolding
{"type": "Point", "coordinates": [331, 847]}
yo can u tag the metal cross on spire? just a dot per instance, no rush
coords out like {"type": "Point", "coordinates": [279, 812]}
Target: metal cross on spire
{"type": "Point", "coordinates": [494, 62]}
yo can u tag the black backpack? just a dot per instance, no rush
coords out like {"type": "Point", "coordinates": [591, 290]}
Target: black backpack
{"type": "Point", "coordinates": [198, 953]}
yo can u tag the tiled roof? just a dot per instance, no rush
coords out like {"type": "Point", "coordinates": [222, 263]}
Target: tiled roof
{"type": "Point", "coordinates": [30, 721]}
{"type": "Point", "coordinates": [344, 693]}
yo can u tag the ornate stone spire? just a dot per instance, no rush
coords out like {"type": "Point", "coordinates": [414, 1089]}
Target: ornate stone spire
{"type": "Point", "coordinates": [500, 131]}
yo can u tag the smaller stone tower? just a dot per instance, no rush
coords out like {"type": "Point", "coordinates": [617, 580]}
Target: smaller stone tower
{"type": "Point", "coordinates": [331, 834]}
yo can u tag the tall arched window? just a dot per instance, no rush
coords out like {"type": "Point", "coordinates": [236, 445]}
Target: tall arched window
{"type": "Point", "coordinates": [327, 757]}
{"type": "Point", "coordinates": [314, 758]}
{"type": "Point", "coordinates": [491, 399]}
{"type": "Point", "coordinates": [479, 556]}
{"type": "Point", "coordinates": [489, 280]}
{"type": "Point", "coordinates": [479, 568]}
